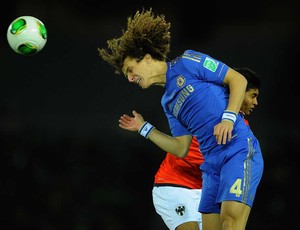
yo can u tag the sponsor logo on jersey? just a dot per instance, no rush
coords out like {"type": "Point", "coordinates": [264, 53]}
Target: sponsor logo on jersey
{"type": "Point", "coordinates": [183, 95]}
{"type": "Point", "coordinates": [210, 64]}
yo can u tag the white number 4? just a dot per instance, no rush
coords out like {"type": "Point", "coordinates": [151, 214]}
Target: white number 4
{"type": "Point", "coordinates": [236, 188]}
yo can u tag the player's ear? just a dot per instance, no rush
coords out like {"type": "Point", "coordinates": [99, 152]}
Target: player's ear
{"type": "Point", "coordinates": [148, 58]}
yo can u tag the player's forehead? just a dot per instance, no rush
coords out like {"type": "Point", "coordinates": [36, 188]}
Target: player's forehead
{"type": "Point", "coordinates": [128, 62]}
{"type": "Point", "coordinates": [252, 93]}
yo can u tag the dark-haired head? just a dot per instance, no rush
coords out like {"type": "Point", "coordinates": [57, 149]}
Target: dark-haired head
{"type": "Point", "coordinates": [252, 77]}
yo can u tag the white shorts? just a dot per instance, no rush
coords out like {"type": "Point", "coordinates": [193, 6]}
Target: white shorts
{"type": "Point", "coordinates": [177, 205]}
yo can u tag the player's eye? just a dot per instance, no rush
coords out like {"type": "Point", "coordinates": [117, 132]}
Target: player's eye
{"type": "Point", "coordinates": [128, 71]}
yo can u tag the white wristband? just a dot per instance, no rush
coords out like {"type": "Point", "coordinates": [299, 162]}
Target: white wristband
{"type": "Point", "coordinates": [229, 115]}
{"type": "Point", "coordinates": [146, 129]}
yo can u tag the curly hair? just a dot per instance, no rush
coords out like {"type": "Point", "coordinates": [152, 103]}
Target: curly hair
{"type": "Point", "coordinates": [146, 33]}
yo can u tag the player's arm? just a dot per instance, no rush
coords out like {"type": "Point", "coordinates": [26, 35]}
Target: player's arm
{"type": "Point", "coordinates": [237, 84]}
{"type": "Point", "coordinates": [178, 146]}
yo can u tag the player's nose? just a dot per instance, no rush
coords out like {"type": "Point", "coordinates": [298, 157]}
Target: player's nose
{"type": "Point", "coordinates": [130, 78]}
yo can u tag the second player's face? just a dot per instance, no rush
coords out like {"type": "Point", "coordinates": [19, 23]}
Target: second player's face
{"type": "Point", "coordinates": [250, 101]}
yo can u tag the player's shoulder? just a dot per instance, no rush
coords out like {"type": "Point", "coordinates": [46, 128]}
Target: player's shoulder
{"type": "Point", "coordinates": [192, 55]}
{"type": "Point", "coordinates": [189, 55]}
{"type": "Point", "coordinates": [189, 59]}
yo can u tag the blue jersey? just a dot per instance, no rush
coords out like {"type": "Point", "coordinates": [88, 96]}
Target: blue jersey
{"type": "Point", "coordinates": [195, 99]}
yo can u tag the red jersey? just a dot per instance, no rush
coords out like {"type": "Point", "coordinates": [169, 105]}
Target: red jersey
{"type": "Point", "coordinates": [184, 172]}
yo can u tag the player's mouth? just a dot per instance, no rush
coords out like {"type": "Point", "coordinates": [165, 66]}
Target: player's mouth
{"type": "Point", "coordinates": [138, 81]}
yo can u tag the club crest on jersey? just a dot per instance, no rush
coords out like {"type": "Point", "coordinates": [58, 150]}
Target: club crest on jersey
{"type": "Point", "coordinates": [180, 81]}
{"type": "Point", "coordinates": [210, 64]}
{"type": "Point", "coordinates": [180, 210]}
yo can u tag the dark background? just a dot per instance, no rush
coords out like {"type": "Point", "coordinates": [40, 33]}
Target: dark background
{"type": "Point", "coordinates": [65, 163]}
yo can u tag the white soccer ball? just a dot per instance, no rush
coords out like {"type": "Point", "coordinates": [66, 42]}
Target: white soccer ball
{"type": "Point", "coordinates": [27, 35]}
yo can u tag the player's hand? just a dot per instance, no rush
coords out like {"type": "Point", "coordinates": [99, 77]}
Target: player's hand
{"type": "Point", "coordinates": [131, 123]}
{"type": "Point", "coordinates": [223, 131]}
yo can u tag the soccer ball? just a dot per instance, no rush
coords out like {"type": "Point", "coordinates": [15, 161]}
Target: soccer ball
{"type": "Point", "coordinates": [27, 35]}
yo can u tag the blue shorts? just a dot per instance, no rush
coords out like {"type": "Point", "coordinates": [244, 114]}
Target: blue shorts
{"type": "Point", "coordinates": [231, 175]}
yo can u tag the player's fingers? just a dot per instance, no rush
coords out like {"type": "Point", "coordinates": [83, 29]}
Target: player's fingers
{"type": "Point", "coordinates": [219, 137]}
{"type": "Point", "coordinates": [121, 122]}
{"type": "Point", "coordinates": [125, 117]}
{"type": "Point", "coordinates": [224, 137]}
{"type": "Point", "coordinates": [122, 126]}
{"type": "Point", "coordinates": [217, 134]}
{"type": "Point", "coordinates": [134, 113]}
{"type": "Point", "coordinates": [122, 119]}
{"type": "Point", "coordinates": [229, 135]}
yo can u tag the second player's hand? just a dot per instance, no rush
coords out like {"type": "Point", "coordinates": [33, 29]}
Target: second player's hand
{"type": "Point", "coordinates": [223, 132]}
{"type": "Point", "coordinates": [131, 123]}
